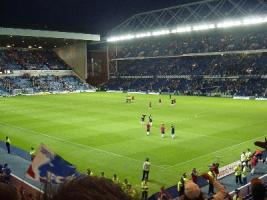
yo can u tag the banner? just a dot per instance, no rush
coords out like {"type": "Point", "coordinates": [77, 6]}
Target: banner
{"type": "Point", "coordinates": [47, 165]}
{"type": "Point", "coordinates": [228, 169]}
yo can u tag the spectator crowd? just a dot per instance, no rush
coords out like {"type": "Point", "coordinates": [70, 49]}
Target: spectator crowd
{"type": "Point", "coordinates": [166, 64]}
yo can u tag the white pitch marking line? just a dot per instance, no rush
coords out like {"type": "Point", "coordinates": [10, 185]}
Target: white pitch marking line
{"type": "Point", "coordinates": [76, 144]}
{"type": "Point", "coordinates": [188, 161]}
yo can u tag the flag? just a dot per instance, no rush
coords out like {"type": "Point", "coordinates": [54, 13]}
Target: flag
{"type": "Point", "coordinates": [48, 165]}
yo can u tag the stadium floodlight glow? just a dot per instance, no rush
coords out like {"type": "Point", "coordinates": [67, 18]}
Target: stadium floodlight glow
{"type": "Point", "coordinates": [127, 37]}
{"type": "Point", "coordinates": [161, 32]}
{"type": "Point", "coordinates": [182, 29]}
{"type": "Point", "coordinates": [254, 20]}
{"type": "Point", "coordinates": [120, 38]}
{"type": "Point", "coordinates": [113, 39]}
{"type": "Point", "coordinates": [250, 20]}
{"type": "Point", "coordinates": [230, 23]}
{"type": "Point", "coordinates": [142, 35]}
{"type": "Point", "coordinates": [203, 27]}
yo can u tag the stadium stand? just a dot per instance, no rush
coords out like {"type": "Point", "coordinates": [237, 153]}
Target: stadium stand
{"type": "Point", "coordinates": [254, 38]}
{"type": "Point", "coordinates": [35, 60]}
{"type": "Point", "coordinates": [21, 59]}
{"type": "Point", "coordinates": [213, 63]}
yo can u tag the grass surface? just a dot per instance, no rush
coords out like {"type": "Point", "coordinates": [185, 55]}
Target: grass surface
{"type": "Point", "coordinates": [100, 131]}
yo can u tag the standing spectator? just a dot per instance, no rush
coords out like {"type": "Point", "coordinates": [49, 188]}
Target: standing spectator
{"type": "Point", "coordinates": [115, 179]}
{"type": "Point", "coordinates": [244, 174]}
{"type": "Point", "coordinates": [215, 169]}
{"type": "Point", "coordinates": [162, 130]}
{"type": "Point", "coordinates": [102, 175]}
{"type": "Point", "coordinates": [32, 153]}
{"type": "Point", "coordinates": [258, 153]}
{"type": "Point", "coordinates": [194, 175]}
{"type": "Point", "coordinates": [254, 162]}
{"type": "Point", "coordinates": [221, 192]}
{"type": "Point", "coordinates": [243, 158]}
{"type": "Point", "coordinates": [180, 186]}
{"type": "Point", "coordinates": [238, 173]}
{"type": "Point", "coordinates": [130, 191]}
{"type": "Point", "coordinates": [89, 172]}
{"type": "Point", "coordinates": [124, 184]}
{"type": "Point", "coordinates": [172, 131]}
{"type": "Point", "coordinates": [248, 158]}
{"type": "Point", "coordinates": [146, 168]}
{"type": "Point", "coordinates": [144, 188]}
{"type": "Point", "coordinates": [211, 186]}
{"type": "Point", "coordinates": [8, 144]}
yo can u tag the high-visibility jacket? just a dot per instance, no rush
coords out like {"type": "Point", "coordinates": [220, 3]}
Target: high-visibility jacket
{"type": "Point", "coordinates": [244, 172]}
{"type": "Point", "coordinates": [236, 197]}
{"type": "Point", "coordinates": [144, 186]}
{"type": "Point", "coordinates": [115, 180]}
{"type": "Point", "coordinates": [238, 171]}
{"type": "Point", "coordinates": [180, 186]}
{"type": "Point", "coordinates": [243, 157]}
{"type": "Point", "coordinates": [248, 155]}
{"type": "Point", "coordinates": [211, 173]}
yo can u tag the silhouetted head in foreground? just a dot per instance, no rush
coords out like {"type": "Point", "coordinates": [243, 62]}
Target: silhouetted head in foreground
{"type": "Point", "coordinates": [90, 188]}
{"type": "Point", "coordinates": [8, 192]}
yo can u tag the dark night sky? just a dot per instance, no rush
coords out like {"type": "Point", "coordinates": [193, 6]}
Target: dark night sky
{"type": "Point", "coordinates": [88, 16]}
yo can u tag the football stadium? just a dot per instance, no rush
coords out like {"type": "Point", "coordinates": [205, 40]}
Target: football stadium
{"type": "Point", "coordinates": [169, 104]}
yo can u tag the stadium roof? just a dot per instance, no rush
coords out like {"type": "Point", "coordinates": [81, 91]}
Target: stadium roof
{"type": "Point", "coordinates": [15, 37]}
{"type": "Point", "coordinates": [198, 12]}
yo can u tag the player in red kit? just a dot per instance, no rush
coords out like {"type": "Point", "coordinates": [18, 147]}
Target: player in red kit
{"type": "Point", "coordinates": [148, 128]}
{"type": "Point", "coordinates": [162, 130]}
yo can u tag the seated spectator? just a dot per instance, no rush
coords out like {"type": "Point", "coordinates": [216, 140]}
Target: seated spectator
{"type": "Point", "coordinates": [258, 190]}
{"type": "Point", "coordinates": [89, 188]}
{"type": "Point", "coordinates": [193, 192]}
{"type": "Point", "coordinates": [164, 195]}
{"type": "Point", "coordinates": [8, 192]}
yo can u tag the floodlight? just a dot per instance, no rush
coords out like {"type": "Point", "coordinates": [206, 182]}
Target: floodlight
{"type": "Point", "coordinates": [142, 35]}
{"type": "Point", "coordinates": [254, 20]}
{"type": "Point", "coordinates": [203, 27]}
{"type": "Point", "coordinates": [184, 29]}
{"type": "Point", "coordinates": [227, 24]}
{"type": "Point", "coordinates": [161, 32]}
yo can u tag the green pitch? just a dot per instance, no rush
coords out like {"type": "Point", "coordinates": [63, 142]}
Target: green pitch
{"type": "Point", "coordinates": [100, 131]}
